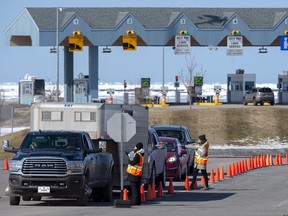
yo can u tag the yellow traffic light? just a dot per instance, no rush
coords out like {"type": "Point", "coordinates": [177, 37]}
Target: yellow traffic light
{"type": "Point", "coordinates": [235, 32]}
{"type": "Point", "coordinates": [76, 33]}
{"type": "Point", "coordinates": [285, 32]}
{"type": "Point", "coordinates": [183, 32]}
{"type": "Point", "coordinates": [130, 32]}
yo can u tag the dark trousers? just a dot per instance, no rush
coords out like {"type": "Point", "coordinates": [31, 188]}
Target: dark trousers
{"type": "Point", "coordinates": [135, 190]}
{"type": "Point", "coordinates": [204, 174]}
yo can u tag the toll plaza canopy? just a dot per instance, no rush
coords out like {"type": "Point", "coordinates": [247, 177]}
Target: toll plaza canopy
{"type": "Point", "coordinates": [152, 26]}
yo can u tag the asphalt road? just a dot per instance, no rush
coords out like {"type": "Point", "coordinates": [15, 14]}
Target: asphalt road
{"type": "Point", "coordinates": [261, 191]}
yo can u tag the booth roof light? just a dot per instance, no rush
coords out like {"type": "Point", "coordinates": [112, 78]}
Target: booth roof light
{"type": "Point", "coordinates": [76, 33]}
{"type": "Point", "coordinates": [235, 32]}
{"type": "Point", "coordinates": [183, 32]}
{"type": "Point", "coordinates": [286, 32]}
{"type": "Point", "coordinates": [130, 32]}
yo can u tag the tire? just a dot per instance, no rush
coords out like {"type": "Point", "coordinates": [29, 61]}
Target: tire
{"type": "Point", "coordinates": [26, 198]}
{"type": "Point", "coordinates": [96, 194]}
{"type": "Point", "coordinates": [254, 102]}
{"type": "Point", "coordinates": [179, 177]}
{"type": "Point", "coordinates": [14, 200]}
{"type": "Point", "coordinates": [36, 198]}
{"type": "Point", "coordinates": [244, 102]}
{"type": "Point", "coordinates": [83, 199]}
{"type": "Point", "coordinates": [107, 191]}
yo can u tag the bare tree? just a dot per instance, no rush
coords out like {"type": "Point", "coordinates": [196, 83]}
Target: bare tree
{"type": "Point", "coordinates": [187, 78]}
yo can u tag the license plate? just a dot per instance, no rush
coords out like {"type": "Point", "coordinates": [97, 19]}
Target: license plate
{"type": "Point", "coordinates": [43, 189]}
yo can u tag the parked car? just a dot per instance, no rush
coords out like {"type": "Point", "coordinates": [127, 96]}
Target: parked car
{"type": "Point", "coordinates": [259, 96]}
{"type": "Point", "coordinates": [176, 158]}
{"type": "Point", "coordinates": [183, 135]}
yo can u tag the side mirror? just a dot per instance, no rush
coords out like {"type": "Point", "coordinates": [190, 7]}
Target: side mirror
{"type": "Point", "coordinates": [183, 151]}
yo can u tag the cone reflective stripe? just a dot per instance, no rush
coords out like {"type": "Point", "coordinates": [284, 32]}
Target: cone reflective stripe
{"type": "Point", "coordinates": [171, 187]}
{"type": "Point", "coordinates": [125, 194]}
{"type": "Point", "coordinates": [186, 183]}
{"type": "Point", "coordinates": [212, 179]}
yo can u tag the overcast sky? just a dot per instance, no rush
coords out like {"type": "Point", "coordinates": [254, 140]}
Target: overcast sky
{"type": "Point", "coordinates": [16, 62]}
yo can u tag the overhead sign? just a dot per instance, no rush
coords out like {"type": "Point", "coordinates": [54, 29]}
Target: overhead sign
{"type": "Point", "coordinates": [129, 42]}
{"type": "Point", "coordinates": [234, 46]}
{"type": "Point", "coordinates": [76, 43]}
{"type": "Point", "coordinates": [198, 81]}
{"type": "Point", "coordinates": [284, 43]}
{"type": "Point", "coordinates": [182, 44]}
{"type": "Point", "coordinates": [145, 82]}
{"type": "Point", "coordinates": [121, 127]}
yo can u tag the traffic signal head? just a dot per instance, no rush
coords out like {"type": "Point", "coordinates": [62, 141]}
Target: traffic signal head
{"type": "Point", "coordinates": [130, 32]}
{"type": "Point", "coordinates": [183, 32]}
{"type": "Point", "coordinates": [235, 32]}
{"type": "Point", "coordinates": [176, 78]}
{"type": "Point", "coordinates": [285, 32]}
{"type": "Point", "coordinates": [76, 33]}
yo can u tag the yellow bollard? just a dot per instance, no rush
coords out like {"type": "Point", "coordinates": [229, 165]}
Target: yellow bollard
{"type": "Point", "coordinates": [163, 102]}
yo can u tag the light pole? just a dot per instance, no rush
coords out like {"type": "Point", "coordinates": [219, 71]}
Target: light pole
{"type": "Point", "coordinates": [57, 45]}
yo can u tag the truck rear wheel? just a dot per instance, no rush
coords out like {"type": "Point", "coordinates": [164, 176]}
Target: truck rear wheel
{"type": "Point", "coordinates": [14, 200]}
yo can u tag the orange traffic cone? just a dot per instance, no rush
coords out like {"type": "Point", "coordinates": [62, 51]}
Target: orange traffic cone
{"type": "Point", "coordinates": [229, 174]}
{"type": "Point", "coordinates": [142, 193]}
{"type": "Point", "coordinates": [202, 182]}
{"type": "Point", "coordinates": [187, 184]}
{"type": "Point", "coordinates": [221, 173]}
{"type": "Point", "coordinates": [280, 160]}
{"type": "Point", "coordinates": [276, 160]}
{"type": "Point", "coordinates": [149, 195]}
{"type": "Point", "coordinates": [6, 166]}
{"type": "Point", "coordinates": [125, 194]}
{"type": "Point", "coordinates": [153, 191]}
{"type": "Point", "coordinates": [160, 190]}
{"type": "Point", "coordinates": [286, 161]}
{"type": "Point", "coordinates": [211, 179]}
{"type": "Point", "coordinates": [233, 169]}
{"type": "Point", "coordinates": [171, 187]}
{"type": "Point", "coordinates": [217, 177]}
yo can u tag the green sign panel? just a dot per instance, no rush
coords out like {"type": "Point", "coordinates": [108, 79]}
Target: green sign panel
{"type": "Point", "coordinates": [198, 81]}
{"type": "Point", "coordinates": [145, 82]}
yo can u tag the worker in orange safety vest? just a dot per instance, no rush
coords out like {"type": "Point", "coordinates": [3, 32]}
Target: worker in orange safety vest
{"type": "Point", "coordinates": [134, 170]}
{"type": "Point", "coordinates": [200, 160]}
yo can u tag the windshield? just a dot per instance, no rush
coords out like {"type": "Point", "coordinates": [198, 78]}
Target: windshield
{"type": "Point", "coordinates": [171, 146]}
{"type": "Point", "coordinates": [172, 133]}
{"type": "Point", "coordinates": [52, 142]}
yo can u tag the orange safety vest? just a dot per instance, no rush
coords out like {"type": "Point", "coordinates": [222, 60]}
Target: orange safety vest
{"type": "Point", "coordinates": [201, 160]}
{"type": "Point", "coordinates": [136, 170]}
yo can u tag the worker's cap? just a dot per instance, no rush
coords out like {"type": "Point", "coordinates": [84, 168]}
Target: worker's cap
{"type": "Point", "coordinates": [202, 137]}
{"type": "Point", "coordinates": [139, 146]}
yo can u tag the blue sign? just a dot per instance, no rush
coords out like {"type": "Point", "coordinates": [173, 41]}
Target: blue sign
{"type": "Point", "coordinates": [284, 43]}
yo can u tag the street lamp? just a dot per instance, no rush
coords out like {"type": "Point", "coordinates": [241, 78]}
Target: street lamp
{"type": "Point", "coordinates": [57, 45]}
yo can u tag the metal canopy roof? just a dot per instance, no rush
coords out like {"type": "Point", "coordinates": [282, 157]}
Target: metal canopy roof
{"type": "Point", "coordinates": [153, 26]}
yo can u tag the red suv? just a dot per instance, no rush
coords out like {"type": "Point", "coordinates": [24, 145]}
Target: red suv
{"type": "Point", "coordinates": [176, 159]}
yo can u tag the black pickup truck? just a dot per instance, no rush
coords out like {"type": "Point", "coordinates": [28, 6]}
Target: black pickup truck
{"type": "Point", "coordinates": [59, 164]}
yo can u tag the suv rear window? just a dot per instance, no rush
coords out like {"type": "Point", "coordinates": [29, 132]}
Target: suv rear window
{"type": "Point", "coordinates": [171, 133]}
{"type": "Point", "coordinates": [265, 90]}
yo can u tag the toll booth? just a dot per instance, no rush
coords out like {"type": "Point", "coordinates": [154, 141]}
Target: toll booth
{"type": "Point", "coordinates": [80, 88]}
{"type": "Point", "coordinates": [282, 86]}
{"type": "Point", "coordinates": [238, 84]}
{"type": "Point", "coordinates": [31, 90]}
